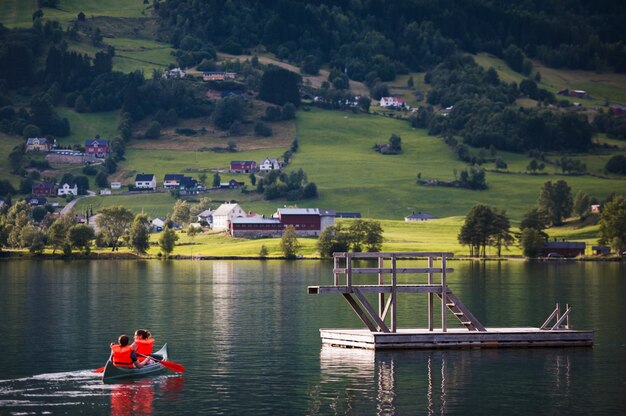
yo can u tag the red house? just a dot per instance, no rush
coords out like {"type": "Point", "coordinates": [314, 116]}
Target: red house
{"type": "Point", "coordinates": [97, 148]}
{"type": "Point", "coordinates": [44, 189]}
{"type": "Point", "coordinates": [243, 166]}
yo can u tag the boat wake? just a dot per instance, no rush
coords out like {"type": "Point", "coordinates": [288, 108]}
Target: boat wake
{"type": "Point", "coordinates": [51, 390]}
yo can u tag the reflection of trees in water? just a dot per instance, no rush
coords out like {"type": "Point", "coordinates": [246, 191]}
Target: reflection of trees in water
{"type": "Point", "coordinates": [431, 382]}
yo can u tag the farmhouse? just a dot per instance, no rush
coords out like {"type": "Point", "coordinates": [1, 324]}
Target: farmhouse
{"type": "Point", "coordinates": [172, 180]}
{"type": "Point", "coordinates": [419, 217]}
{"type": "Point", "coordinates": [224, 214]}
{"type": "Point", "coordinates": [116, 185]}
{"type": "Point", "coordinates": [206, 216]}
{"type": "Point", "coordinates": [175, 73]}
{"type": "Point", "coordinates": [44, 189]}
{"type": "Point", "coordinates": [145, 181]}
{"type": "Point", "coordinates": [564, 248]}
{"type": "Point", "coordinates": [218, 76]}
{"type": "Point", "coordinates": [97, 148]}
{"type": "Point", "coordinates": [393, 102]}
{"type": "Point", "coordinates": [188, 185]}
{"type": "Point", "coordinates": [231, 184]}
{"type": "Point", "coordinates": [38, 144]}
{"type": "Point", "coordinates": [37, 201]}
{"type": "Point", "coordinates": [66, 189]}
{"type": "Point", "coordinates": [268, 165]}
{"type": "Point", "coordinates": [242, 166]}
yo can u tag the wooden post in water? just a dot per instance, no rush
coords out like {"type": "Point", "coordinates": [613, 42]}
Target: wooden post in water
{"type": "Point", "coordinates": [430, 295]}
{"type": "Point", "coordinates": [348, 270]}
{"type": "Point", "coordinates": [335, 274]}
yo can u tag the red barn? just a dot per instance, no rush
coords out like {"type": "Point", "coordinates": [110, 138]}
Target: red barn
{"type": "Point", "coordinates": [44, 189]}
{"type": "Point", "coordinates": [243, 166]}
{"type": "Point", "coordinates": [306, 221]}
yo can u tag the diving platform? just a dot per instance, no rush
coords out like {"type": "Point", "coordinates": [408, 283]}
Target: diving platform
{"type": "Point", "coordinates": [381, 330]}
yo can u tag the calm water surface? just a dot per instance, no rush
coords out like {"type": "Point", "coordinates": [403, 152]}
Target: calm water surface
{"type": "Point", "coordinates": [247, 333]}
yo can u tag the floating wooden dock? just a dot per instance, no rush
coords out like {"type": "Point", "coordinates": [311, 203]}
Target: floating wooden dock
{"type": "Point", "coordinates": [381, 331]}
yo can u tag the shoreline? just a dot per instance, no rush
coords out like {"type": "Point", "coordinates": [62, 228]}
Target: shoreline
{"type": "Point", "coordinates": [25, 255]}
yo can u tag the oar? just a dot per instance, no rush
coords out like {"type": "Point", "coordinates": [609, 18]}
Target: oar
{"type": "Point", "coordinates": [167, 364]}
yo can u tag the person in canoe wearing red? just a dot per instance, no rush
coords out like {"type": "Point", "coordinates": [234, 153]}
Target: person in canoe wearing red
{"type": "Point", "coordinates": [122, 354]}
{"type": "Point", "coordinates": [143, 345]}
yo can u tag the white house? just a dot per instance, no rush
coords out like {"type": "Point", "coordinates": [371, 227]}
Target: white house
{"type": "Point", "coordinates": [145, 181]}
{"type": "Point", "coordinates": [224, 214]}
{"type": "Point", "coordinates": [116, 185]}
{"type": "Point", "coordinates": [173, 73]}
{"type": "Point", "coordinates": [105, 191]}
{"type": "Point", "coordinates": [419, 217]}
{"type": "Point", "coordinates": [393, 102]}
{"type": "Point", "coordinates": [66, 189]}
{"type": "Point", "coordinates": [267, 165]}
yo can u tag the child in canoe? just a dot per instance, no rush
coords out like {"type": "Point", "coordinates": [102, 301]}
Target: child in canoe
{"type": "Point", "coordinates": [143, 345]}
{"type": "Point", "coordinates": [122, 354]}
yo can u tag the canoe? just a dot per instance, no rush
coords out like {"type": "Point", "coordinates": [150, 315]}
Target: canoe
{"type": "Point", "coordinates": [112, 372]}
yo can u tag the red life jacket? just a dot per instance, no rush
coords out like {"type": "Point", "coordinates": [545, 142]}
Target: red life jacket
{"type": "Point", "coordinates": [144, 346]}
{"type": "Point", "coordinates": [121, 356]}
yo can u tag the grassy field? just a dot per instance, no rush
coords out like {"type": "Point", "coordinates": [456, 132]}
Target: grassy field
{"type": "Point", "coordinates": [336, 153]}
{"type": "Point", "coordinates": [602, 87]}
{"type": "Point", "coordinates": [18, 13]}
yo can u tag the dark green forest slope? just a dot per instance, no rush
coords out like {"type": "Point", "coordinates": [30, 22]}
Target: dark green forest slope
{"type": "Point", "coordinates": [386, 38]}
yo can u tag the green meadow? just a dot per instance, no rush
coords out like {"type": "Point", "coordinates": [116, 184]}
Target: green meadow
{"type": "Point", "coordinates": [336, 153]}
{"type": "Point", "coordinates": [18, 13]}
{"type": "Point", "coordinates": [601, 87]}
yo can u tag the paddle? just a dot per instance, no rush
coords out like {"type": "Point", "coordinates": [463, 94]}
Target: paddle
{"type": "Point", "coordinates": [167, 364]}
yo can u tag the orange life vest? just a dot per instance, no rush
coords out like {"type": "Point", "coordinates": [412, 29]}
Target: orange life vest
{"type": "Point", "coordinates": [144, 346]}
{"type": "Point", "coordinates": [121, 356]}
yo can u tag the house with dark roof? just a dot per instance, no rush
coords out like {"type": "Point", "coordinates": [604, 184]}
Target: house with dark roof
{"type": "Point", "coordinates": [38, 144]}
{"type": "Point", "coordinates": [44, 189]}
{"type": "Point", "coordinates": [563, 248]}
{"type": "Point", "coordinates": [97, 148]}
{"type": "Point", "coordinates": [145, 181]}
{"type": "Point", "coordinates": [172, 180]}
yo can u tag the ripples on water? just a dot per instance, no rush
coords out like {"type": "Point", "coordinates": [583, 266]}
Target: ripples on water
{"type": "Point", "coordinates": [248, 335]}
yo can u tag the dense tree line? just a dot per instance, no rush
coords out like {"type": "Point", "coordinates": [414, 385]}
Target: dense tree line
{"type": "Point", "coordinates": [380, 39]}
{"type": "Point", "coordinates": [293, 186]}
{"type": "Point", "coordinates": [360, 235]}
{"type": "Point", "coordinates": [482, 112]}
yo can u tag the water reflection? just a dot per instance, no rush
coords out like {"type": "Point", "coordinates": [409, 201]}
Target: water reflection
{"type": "Point", "coordinates": [438, 382]}
{"type": "Point", "coordinates": [136, 397]}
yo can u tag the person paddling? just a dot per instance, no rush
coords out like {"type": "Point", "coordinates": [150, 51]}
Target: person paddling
{"type": "Point", "coordinates": [143, 345]}
{"type": "Point", "coordinates": [122, 354]}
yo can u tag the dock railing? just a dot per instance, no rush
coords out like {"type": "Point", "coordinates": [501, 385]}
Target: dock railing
{"type": "Point", "coordinates": [387, 284]}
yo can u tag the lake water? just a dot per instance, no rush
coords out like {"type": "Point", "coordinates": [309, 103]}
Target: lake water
{"type": "Point", "coordinates": [247, 333]}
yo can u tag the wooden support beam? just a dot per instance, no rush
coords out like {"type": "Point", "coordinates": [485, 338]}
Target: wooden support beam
{"type": "Point", "coordinates": [389, 270]}
{"type": "Point", "coordinates": [381, 281]}
{"type": "Point", "coordinates": [322, 290]}
{"type": "Point", "coordinates": [360, 313]}
{"type": "Point", "coordinates": [381, 325]}
{"type": "Point", "coordinates": [430, 296]}
{"type": "Point", "coordinates": [444, 297]}
{"type": "Point", "coordinates": [394, 295]}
